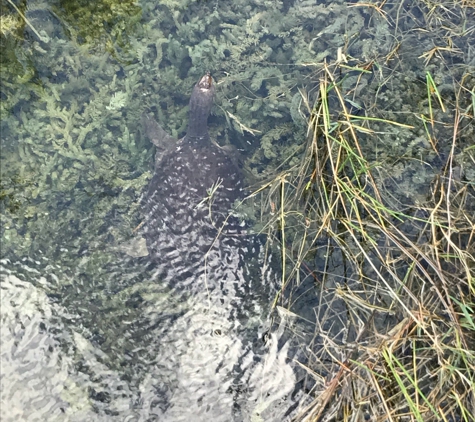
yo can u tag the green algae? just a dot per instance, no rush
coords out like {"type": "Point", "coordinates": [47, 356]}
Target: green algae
{"type": "Point", "coordinates": [99, 24]}
{"type": "Point", "coordinates": [74, 161]}
{"type": "Point", "coordinates": [74, 151]}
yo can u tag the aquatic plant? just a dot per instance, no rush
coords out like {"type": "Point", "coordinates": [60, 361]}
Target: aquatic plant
{"type": "Point", "coordinates": [365, 118]}
{"type": "Point", "coordinates": [376, 223]}
{"type": "Point", "coordinates": [99, 24]}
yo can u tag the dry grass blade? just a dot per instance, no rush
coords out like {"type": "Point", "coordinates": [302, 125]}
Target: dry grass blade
{"type": "Point", "coordinates": [406, 277]}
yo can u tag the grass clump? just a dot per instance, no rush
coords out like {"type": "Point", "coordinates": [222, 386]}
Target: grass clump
{"type": "Point", "coordinates": [391, 263]}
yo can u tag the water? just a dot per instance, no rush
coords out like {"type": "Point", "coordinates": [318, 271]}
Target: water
{"type": "Point", "coordinates": [90, 332]}
{"type": "Point", "coordinates": [145, 352]}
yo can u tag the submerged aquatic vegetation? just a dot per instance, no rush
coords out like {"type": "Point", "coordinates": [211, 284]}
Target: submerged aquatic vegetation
{"type": "Point", "coordinates": [378, 217]}
{"type": "Point", "coordinates": [69, 159]}
{"type": "Point", "coordinates": [102, 23]}
{"type": "Point", "coordinates": [365, 113]}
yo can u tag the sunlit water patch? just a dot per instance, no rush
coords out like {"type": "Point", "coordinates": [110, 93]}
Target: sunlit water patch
{"type": "Point", "coordinates": [145, 352]}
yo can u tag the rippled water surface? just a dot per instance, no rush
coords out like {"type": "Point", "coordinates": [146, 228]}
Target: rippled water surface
{"type": "Point", "coordinates": [143, 351]}
{"type": "Point", "coordinates": [93, 327]}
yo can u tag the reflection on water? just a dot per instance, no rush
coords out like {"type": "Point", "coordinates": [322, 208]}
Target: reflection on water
{"type": "Point", "coordinates": [154, 354]}
{"type": "Point", "coordinates": [90, 333]}
{"type": "Point", "coordinates": [36, 380]}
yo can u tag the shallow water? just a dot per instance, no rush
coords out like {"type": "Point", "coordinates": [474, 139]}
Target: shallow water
{"type": "Point", "coordinates": [146, 352]}
{"type": "Point", "coordinates": [92, 333]}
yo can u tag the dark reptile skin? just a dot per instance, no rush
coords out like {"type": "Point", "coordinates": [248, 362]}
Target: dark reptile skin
{"type": "Point", "coordinates": [180, 223]}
